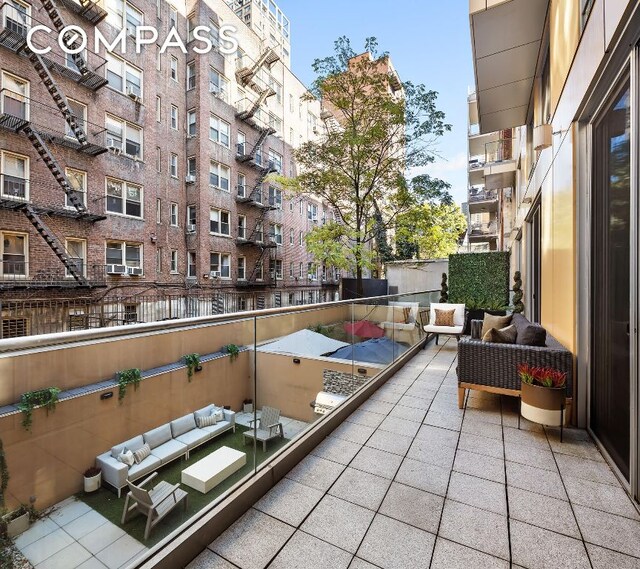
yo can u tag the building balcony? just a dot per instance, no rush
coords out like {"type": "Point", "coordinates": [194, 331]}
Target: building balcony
{"type": "Point", "coordinates": [485, 231]}
{"type": "Point", "coordinates": [18, 111]}
{"type": "Point", "coordinates": [495, 166]}
{"type": "Point", "coordinates": [505, 41]}
{"type": "Point", "coordinates": [18, 274]}
{"type": "Point", "coordinates": [482, 201]}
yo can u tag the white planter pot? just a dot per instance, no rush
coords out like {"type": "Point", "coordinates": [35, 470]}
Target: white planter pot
{"type": "Point", "coordinates": [248, 408]}
{"type": "Point", "coordinates": [18, 525]}
{"type": "Point", "coordinates": [92, 483]}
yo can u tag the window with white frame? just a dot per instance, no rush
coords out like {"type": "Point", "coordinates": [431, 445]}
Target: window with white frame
{"type": "Point", "coordinates": [173, 66]}
{"type": "Point", "coordinates": [291, 269]}
{"type": "Point", "coordinates": [275, 197]}
{"type": "Point", "coordinates": [300, 268]}
{"type": "Point", "coordinates": [79, 111]}
{"type": "Point", "coordinates": [173, 17]}
{"type": "Point", "coordinates": [242, 269]}
{"type": "Point", "coordinates": [123, 76]}
{"type": "Point", "coordinates": [14, 174]}
{"type": "Point", "coordinates": [158, 159]}
{"type": "Point", "coordinates": [191, 264]}
{"type": "Point", "coordinates": [220, 265]}
{"type": "Point", "coordinates": [242, 185]}
{"type": "Point", "coordinates": [312, 212]}
{"type": "Point", "coordinates": [124, 198]}
{"type": "Point", "coordinates": [174, 117]}
{"type": "Point", "coordinates": [124, 253]}
{"type": "Point", "coordinates": [219, 176]}
{"type": "Point", "coordinates": [259, 232]}
{"type": "Point", "coordinates": [173, 214]}
{"type": "Point", "coordinates": [158, 59]}
{"type": "Point", "coordinates": [191, 76]}
{"type": "Point", "coordinates": [191, 24]}
{"type": "Point", "coordinates": [191, 123]}
{"type": "Point", "coordinates": [219, 130]}
{"type": "Point", "coordinates": [273, 84]}
{"type": "Point", "coordinates": [218, 84]}
{"type": "Point", "coordinates": [17, 19]}
{"type": "Point", "coordinates": [275, 269]}
{"type": "Point", "coordinates": [159, 260]}
{"type": "Point", "coordinates": [134, 19]}
{"type": "Point", "coordinates": [115, 13]}
{"type": "Point", "coordinates": [173, 165]}
{"type": "Point", "coordinates": [275, 232]}
{"type": "Point", "coordinates": [291, 104]}
{"type": "Point", "coordinates": [78, 182]}
{"type": "Point", "coordinates": [15, 96]}
{"type": "Point", "coordinates": [124, 136]}
{"type": "Point", "coordinates": [158, 210]}
{"type": "Point", "coordinates": [191, 168]}
{"type": "Point", "coordinates": [290, 236]}
{"type": "Point", "coordinates": [300, 238]}
{"type": "Point", "coordinates": [158, 108]}
{"type": "Point", "coordinates": [259, 271]}
{"type": "Point", "coordinates": [191, 215]}
{"type": "Point", "coordinates": [174, 261]}
{"type": "Point", "coordinates": [14, 250]}
{"type": "Point", "coordinates": [214, 33]}
{"type": "Point", "coordinates": [242, 227]}
{"type": "Point", "coordinates": [77, 253]}
{"type": "Point", "coordinates": [219, 222]}
{"type": "Point", "coordinates": [241, 144]}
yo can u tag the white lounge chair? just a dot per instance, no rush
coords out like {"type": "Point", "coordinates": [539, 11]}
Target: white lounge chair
{"type": "Point", "coordinates": [155, 503]}
{"type": "Point", "coordinates": [268, 427]}
{"type": "Point", "coordinates": [458, 320]}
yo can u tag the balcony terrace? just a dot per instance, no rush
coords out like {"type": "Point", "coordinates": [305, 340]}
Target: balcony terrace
{"type": "Point", "coordinates": [397, 476]}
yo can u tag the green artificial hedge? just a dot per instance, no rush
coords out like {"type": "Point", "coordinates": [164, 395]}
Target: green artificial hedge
{"type": "Point", "coordinates": [480, 280]}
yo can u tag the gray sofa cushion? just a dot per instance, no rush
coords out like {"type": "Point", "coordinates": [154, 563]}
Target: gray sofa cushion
{"type": "Point", "coordinates": [169, 450]}
{"type": "Point", "coordinates": [158, 436]}
{"type": "Point", "coordinates": [194, 438]}
{"type": "Point", "coordinates": [204, 411]}
{"type": "Point", "coordinates": [529, 334]}
{"type": "Point", "coordinates": [182, 425]}
{"type": "Point", "coordinates": [149, 464]}
{"type": "Point", "coordinates": [133, 444]}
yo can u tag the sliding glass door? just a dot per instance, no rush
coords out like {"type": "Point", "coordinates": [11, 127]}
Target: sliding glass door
{"type": "Point", "coordinates": [611, 276]}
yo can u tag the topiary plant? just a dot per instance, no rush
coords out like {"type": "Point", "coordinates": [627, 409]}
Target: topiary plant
{"type": "Point", "coordinates": [518, 305]}
{"type": "Point", "coordinates": [193, 364]}
{"type": "Point", "coordinates": [444, 291]}
{"type": "Point", "coordinates": [47, 397]}
{"type": "Point", "coordinates": [127, 377]}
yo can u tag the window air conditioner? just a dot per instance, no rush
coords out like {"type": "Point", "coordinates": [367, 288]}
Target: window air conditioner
{"type": "Point", "coordinates": [191, 228]}
{"type": "Point", "coordinates": [133, 95]}
{"type": "Point", "coordinates": [114, 147]}
{"type": "Point", "coordinates": [215, 274]}
{"type": "Point", "coordinates": [190, 179]}
{"type": "Point", "coordinates": [135, 271]}
{"type": "Point", "coordinates": [116, 269]}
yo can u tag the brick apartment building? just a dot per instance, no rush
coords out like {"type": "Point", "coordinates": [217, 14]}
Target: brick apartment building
{"type": "Point", "coordinates": [134, 186]}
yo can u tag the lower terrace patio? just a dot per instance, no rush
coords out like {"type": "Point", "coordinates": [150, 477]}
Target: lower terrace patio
{"type": "Point", "coordinates": [410, 481]}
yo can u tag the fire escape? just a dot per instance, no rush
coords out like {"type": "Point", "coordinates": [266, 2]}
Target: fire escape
{"type": "Point", "coordinates": [249, 113]}
{"type": "Point", "coordinates": [15, 117]}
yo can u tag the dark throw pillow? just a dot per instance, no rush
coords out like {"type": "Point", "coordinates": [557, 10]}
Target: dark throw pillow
{"type": "Point", "coordinates": [531, 335]}
{"type": "Point", "coordinates": [504, 336]}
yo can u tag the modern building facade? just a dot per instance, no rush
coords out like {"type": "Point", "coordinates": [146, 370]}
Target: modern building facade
{"type": "Point", "coordinates": [565, 76]}
{"type": "Point", "coordinates": [135, 185]}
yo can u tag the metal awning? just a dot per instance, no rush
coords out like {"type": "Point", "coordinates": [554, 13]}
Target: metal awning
{"type": "Point", "coordinates": [505, 39]}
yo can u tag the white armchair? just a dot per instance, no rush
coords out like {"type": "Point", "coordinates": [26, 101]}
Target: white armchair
{"type": "Point", "coordinates": [458, 320]}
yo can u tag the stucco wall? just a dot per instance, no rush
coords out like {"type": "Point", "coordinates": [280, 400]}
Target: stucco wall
{"type": "Point", "coordinates": [409, 276]}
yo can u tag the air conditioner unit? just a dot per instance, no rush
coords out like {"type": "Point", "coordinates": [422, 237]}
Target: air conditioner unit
{"type": "Point", "coordinates": [135, 271]}
{"type": "Point", "coordinates": [117, 150]}
{"type": "Point", "coordinates": [215, 274]}
{"type": "Point", "coordinates": [542, 136]}
{"type": "Point", "coordinates": [116, 269]}
{"type": "Point", "coordinates": [311, 277]}
{"type": "Point", "coordinates": [133, 95]}
{"type": "Point", "coordinates": [191, 228]}
{"type": "Point", "coordinates": [190, 179]}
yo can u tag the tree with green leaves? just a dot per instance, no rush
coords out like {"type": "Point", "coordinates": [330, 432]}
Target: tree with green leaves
{"type": "Point", "coordinates": [377, 130]}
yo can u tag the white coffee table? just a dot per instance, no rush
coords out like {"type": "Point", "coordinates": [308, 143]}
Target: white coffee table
{"type": "Point", "coordinates": [213, 469]}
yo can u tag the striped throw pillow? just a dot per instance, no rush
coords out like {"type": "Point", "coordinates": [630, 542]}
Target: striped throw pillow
{"type": "Point", "coordinates": [207, 421]}
{"type": "Point", "coordinates": [143, 452]}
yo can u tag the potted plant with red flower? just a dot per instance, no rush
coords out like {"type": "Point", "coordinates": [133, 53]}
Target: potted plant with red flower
{"type": "Point", "coordinates": [543, 393]}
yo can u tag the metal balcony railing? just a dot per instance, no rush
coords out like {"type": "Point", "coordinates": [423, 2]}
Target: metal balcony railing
{"type": "Point", "coordinates": [16, 110]}
{"type": "Point", "coordinates": [483, 229]}
{"type": "Point", "coordinates": [15, 273]}
{"type": "Point", "coordinates": [14, 187]}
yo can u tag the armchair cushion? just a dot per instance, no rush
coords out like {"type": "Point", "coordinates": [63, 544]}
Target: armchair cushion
{"type": "Point", "coordinates": [453, 330]}
{"type": "Point", "coordinates": [169, 450]}
{"type": "Point", "coordinates": [444, 317]}
{"type": "Point", "coordinates": [458, 315]}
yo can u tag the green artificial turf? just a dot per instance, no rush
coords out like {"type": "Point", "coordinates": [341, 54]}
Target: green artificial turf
{"type": "Point", "coordinates": [106, 502]}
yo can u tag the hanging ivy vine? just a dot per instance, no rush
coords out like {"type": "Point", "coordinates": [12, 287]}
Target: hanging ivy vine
{"type": "Point", "coordinates": [128, 377]}
{"type": "Point", "coordinates": [47, 397]}
{"type": "Point", "coordinates": [193, 364]}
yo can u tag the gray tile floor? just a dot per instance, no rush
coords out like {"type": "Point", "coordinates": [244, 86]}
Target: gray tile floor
{"type": "Point", "coordinates": [411, 481]}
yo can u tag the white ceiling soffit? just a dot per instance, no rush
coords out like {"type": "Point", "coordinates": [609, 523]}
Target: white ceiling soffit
{"type": "Point", "coordinates": [505, 39]}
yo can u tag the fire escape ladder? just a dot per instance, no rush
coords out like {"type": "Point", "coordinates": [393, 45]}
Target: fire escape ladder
{"type": "Point", "coordinates": [57, 95]}
{"type": "Point", "coordinates": [268, 57]}
{"type": "Point", "coordinates": [263, 95]}
{"type": "Point", "coordinates": [58, 22]}
{"type": "Point", "coordinates": [54, 243]}
{"type": "Point", "coordinates": [51, 163]}
{"type": "Point", "coordinates": [257, 189]}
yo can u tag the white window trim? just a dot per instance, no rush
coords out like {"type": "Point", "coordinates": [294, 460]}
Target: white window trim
{"type": "Point", "coordinates": [173, 206]}
{"type": "Point", "coordinates": [124, 198]}
{"type": "Point", "coordinates": [125, 66]}
{"type": "Point", "coordinates": [220, 255]}
{"type": "Point", "coordinates": [67, 274]}
{"type": "Point", "coordinates": [242, 264]}
{"type": "Point", "coordinates": [27, 168]}
{"type": "Point", "coordinates": [171, 156]}
{"type": "Point", "coordinates": [125, 125]}
{"type": "Point", "coordinates": [123, 249]}
{"type": "Point", "coordinates": [26, 254]}
{"type": "Point", "coordinates": [228, 178]}
{"type": "Point", "coordinates": [84, 188]}
{"type": "Point", "coordinates": [173, 255]}
{"type": "Point", "coordinates": [220, 211]}
{"type": "Point", "coordinates": [171, 111]}
{"type": "Point", "coordinates": [220, 122]}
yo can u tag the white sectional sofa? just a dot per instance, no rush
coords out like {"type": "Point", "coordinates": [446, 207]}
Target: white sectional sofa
{"type": "Point", "coordinates": [167, 442]}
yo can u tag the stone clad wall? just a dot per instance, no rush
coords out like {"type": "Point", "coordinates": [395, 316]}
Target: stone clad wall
{"type": "Point", "coordinates": [342, 383]}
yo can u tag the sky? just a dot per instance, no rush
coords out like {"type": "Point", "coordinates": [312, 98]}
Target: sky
{"type": "Point", "coordinates": [429, 42]}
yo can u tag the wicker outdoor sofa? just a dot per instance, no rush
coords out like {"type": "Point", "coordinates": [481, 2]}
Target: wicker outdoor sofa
{"type": "Point", "coordinates": [492, 367]}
